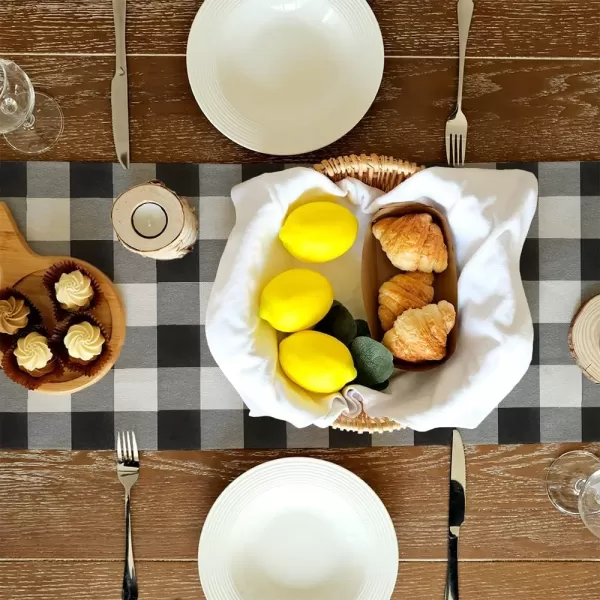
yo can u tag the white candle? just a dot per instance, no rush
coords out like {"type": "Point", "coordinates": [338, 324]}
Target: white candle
{"type": "Point", "coordinates": [149, 219]}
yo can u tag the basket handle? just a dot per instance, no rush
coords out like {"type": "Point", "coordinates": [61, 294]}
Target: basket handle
{"type": "Point", "coordinates": [382, 172]}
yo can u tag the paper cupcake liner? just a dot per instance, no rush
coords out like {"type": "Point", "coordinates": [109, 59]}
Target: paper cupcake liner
{"type": "Point", "coordinates": [13, 371]}
{"type": "Point", "coordinates": [34, 319]}
{"type": "Point", "coordinates": [51, 277]}
{"type": "Point", "coordinates": [60, 350]}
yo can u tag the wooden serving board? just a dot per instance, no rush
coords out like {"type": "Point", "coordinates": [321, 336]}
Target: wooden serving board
{"type": "Point", "coordinates": [23, 269]}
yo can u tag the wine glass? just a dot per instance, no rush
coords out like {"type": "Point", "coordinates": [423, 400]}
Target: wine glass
{"type": "Point", "coordinates": [30, 121]}
{"type": "Point", "coordinates": [573, 486]}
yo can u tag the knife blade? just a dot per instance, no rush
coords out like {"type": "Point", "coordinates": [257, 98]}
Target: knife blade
{"type": "Point", "coordinates": [456, 512]}
{"type": "Point", "coordinates": [118, 90]}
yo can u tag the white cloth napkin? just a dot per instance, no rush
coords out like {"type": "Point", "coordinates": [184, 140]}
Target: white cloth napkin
{"type": "Point", "coordinates": [489, 212]}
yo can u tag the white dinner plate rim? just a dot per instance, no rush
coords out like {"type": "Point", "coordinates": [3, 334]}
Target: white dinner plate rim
{"type": "Point", "coordinates": [377, 509]}
{"type": "Point", "coordinates": [231, 129]}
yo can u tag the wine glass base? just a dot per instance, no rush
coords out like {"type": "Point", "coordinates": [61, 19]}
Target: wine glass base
{"type": "Point", "coordinates": [589, 503]}
{"type": "Point", "coordinates": [43, 132]}
{"type": "Point", "coordinates": [566, 479]}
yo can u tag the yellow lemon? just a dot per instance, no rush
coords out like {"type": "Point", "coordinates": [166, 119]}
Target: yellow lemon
{"type": "Point", "coordinates": [319, 231]}
{"type": "Point", "coordinates": [296, 299]}
{"type": "Point", "coordinates": [316, 361]}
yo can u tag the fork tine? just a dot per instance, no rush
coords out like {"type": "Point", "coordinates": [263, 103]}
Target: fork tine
{"type": "Point", "coordinates": [457, 150]}
{"type": "Point", "coordinates": [448, 149]}
{"type": "Point", "coordinates": [136, 456]}
{"type": "Point", "coordinates": [121, 445]}
{"type": "Point", "coordinates": [128, 442]}
{"type": "Point", "coordinates": [119, 448]}
{"type": "Point", "coordinates": [464, 150]}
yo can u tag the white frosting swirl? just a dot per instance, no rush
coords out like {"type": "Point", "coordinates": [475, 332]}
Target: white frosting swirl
{"type": "Point", "coordinates": [14, 315]}
{"type": "Point", "coordinates": [74, 290]}
{"type": "Point", "coordinates": [32, 352]}
{"type": "Point", "coordinates": [84, 341]}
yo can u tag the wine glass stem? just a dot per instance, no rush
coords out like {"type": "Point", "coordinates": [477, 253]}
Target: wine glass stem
{"type": "Point", "coordinates": [29, 122]}
{"type": "Point", "coordinates": [578, 486]}
{"type": "Point", "coordinates": [9, 106]}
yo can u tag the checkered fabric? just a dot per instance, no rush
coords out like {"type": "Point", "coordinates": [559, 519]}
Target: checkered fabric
{"type": "Point", "coordinates": [167, 387]}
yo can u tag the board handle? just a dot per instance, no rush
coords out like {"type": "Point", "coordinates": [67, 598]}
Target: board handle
{"type": "Point", "coordinates": [16, 257]}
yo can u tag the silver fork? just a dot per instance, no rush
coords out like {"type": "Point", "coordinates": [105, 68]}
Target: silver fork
{"type": "Point", "coordinates": [128, 470]}
{"type": "Point", "coordinates": [456, 126]}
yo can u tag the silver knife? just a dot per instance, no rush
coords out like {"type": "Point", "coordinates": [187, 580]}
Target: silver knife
{"type": "Point", "coordinates": [456, 512]}
{"type": "Point", "coordinates": [118, 90]}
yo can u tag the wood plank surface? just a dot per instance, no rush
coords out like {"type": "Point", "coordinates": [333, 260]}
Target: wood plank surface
{"type": "Point", "coordinates": [531, 94]}
{"type": "Point", "coordinates": [417, 581]}
{"type": "Point", "coordinates": [68, 505]}
{"type": "Point", "coordinates": [518, 109]}
{"type": "Point", "coordinates": [531, 90]}
{"type": "Point", "coordinates": [501, 28]}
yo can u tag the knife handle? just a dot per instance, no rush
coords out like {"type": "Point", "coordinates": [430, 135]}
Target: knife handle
{"type": "Point", "coordinates": [452, 574]}
{"type": "Point", "coordinates": [120, 15]}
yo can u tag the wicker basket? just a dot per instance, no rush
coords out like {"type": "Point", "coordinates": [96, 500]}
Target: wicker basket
{"type": "Point", "coordinates": [384, 173]}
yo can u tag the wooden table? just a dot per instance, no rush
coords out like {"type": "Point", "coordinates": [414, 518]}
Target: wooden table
{"type": "Point", "coordinates": [531, 94]}
{"type": "Point", "coordinates": [532, 89]}
{"type": "Point", "coordinates": [62, 525]}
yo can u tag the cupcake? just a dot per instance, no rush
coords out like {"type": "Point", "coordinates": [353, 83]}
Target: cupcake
{"type": "Point", "coordinates": [84, 342]}
{"type": "Point", "coordinates": [74, 291]}
{"type": "Point", "coordinates": [14, 315]}
{"type": "Point", "coordinates": [18, 315]}
{"type": "Point", "coordinates": [81, 344]}
{"type": "Point", "coordinates": [31, 360]}
{"type": "Point", "coordinates": [33, 355]}
{"type": "Point", "coordinates": [71, 287]}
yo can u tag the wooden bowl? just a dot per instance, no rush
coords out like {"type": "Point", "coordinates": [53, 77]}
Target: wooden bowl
{"type": "Point", "coordinates": [23, 269]}
{"type": "Point", "coordinates": [377, 269]}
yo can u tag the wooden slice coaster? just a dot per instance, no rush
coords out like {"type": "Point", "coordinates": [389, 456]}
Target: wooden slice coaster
{"type": "Point", "coordinates": [23, 269]}
{"type": "Point", "coordinates": [584, 339]}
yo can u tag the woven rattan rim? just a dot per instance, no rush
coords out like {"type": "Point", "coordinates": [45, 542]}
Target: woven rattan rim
{"type": "Point", "coordinates": [384, 173]}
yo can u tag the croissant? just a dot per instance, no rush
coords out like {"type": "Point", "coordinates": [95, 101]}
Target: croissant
{"type": "Point", "coordinates": [420, 334]}
{"type": "Point", "coordinates": [413, 242]}
{"type": "Point", "coordinates": [404, 291]}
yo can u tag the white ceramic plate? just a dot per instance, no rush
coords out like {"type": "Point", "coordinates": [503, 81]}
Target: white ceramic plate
{"type": "Point", "coordinates": [298, 529]}
{"type": "Point", "coordinates": [285, 76]}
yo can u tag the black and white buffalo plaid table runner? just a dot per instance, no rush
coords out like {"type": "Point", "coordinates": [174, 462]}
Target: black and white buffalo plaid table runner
{"type": "Point", "coordinates": [167, 387]}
